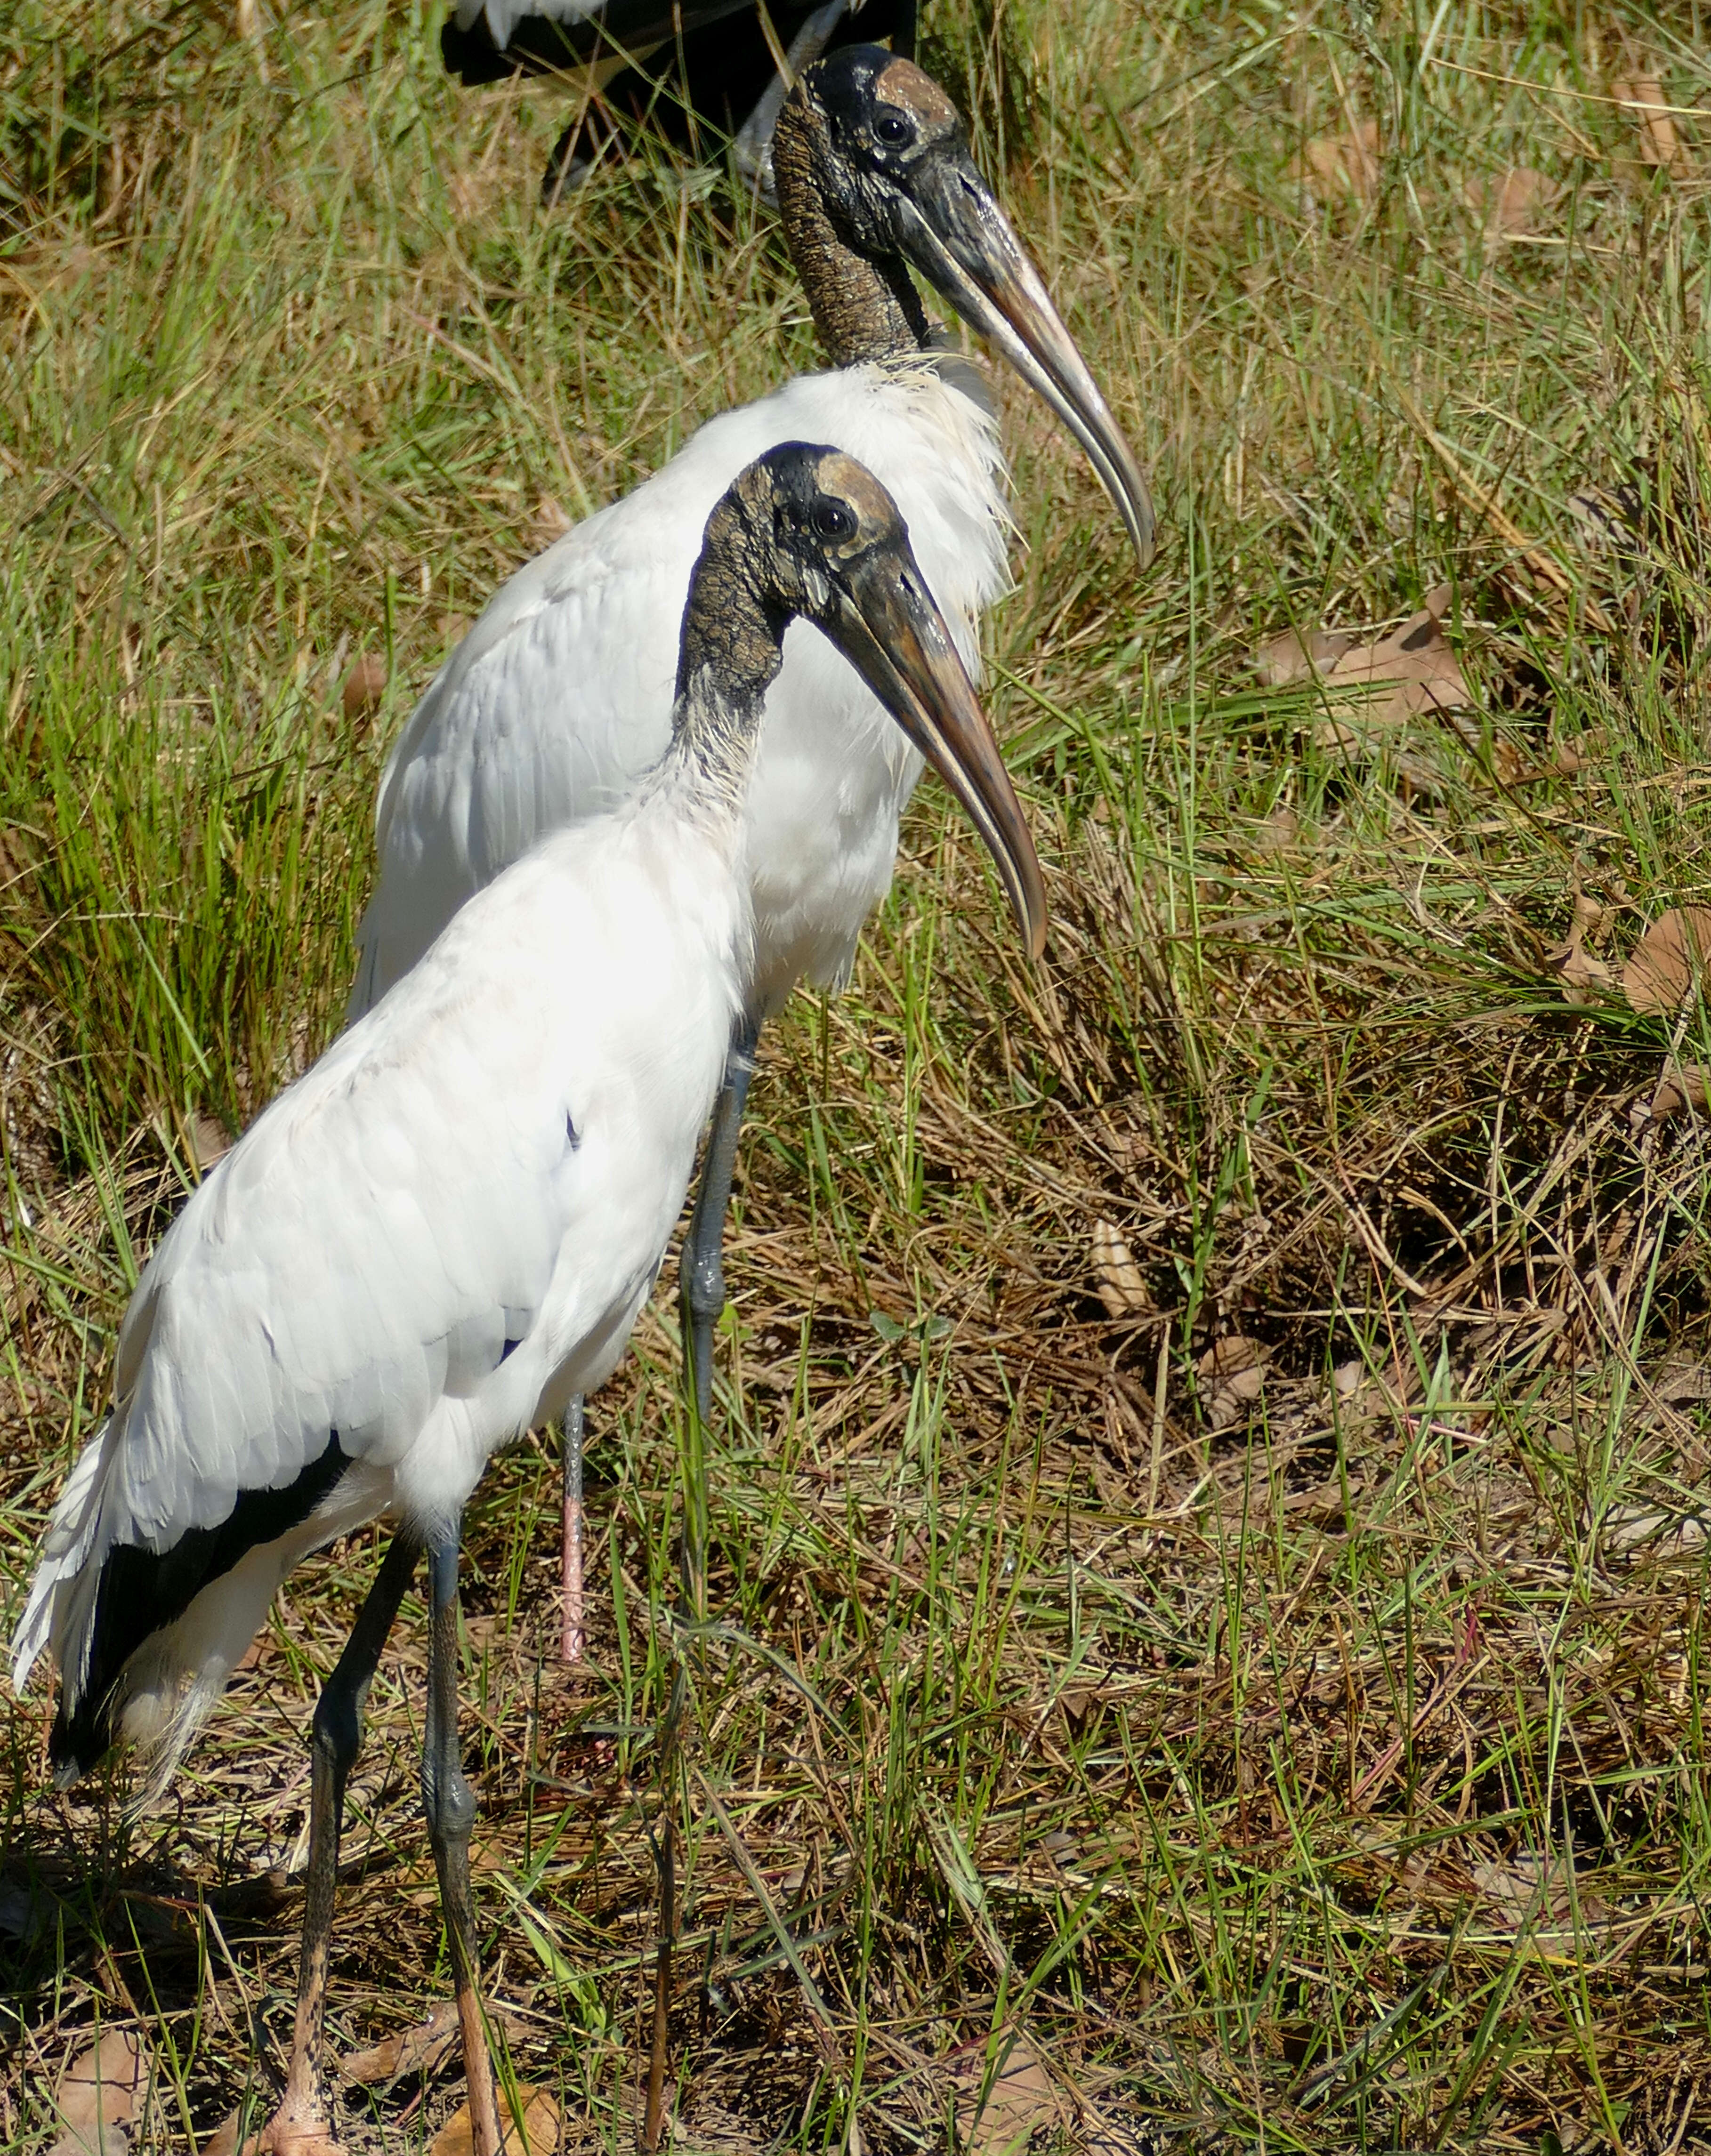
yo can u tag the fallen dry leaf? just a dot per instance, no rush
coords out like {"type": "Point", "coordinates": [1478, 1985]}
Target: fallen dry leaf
{"type": "Point", "coordinates": [209, 1139]}
{"type": "Point", "coordinates": [1580, 971]}
{"type": "Point", "coordinates": [1117, 1278]}
{"type": "Point", "coordinates": [1232, 1375]}
{"type": "Point", "coordinates": [1540, 1894]}
{"type": "Point", "coordinates": [1291, 657]}
{"type": "Point", "coordinates": [365, 685]}
{"type": "Point", "coordinates": [421, 2049]}
{"type": "Point", "coordinates": [1668, 959]}
{"type": "Point", "coordinates": [1020, 2099]}
{"type": "Point", "coordinates": [1413, 666]}
{"type": "Point", "coordinates": [1682, 1085]}
{"type": "Point", "coordinates": [1511, 206]}
{"type": "Point", "coordinates": [1409, 671]}
{"type": "Point", "coordinates": [551, 521]}
{"type": "Point", "coordinates": [1334, 166]}
{"type": "Point", "coordinates": [98, 2094]}
{"type": "Point", "coordinates": [539, 2136]}
{"type": "Point", "coordinates": [1661, 146]}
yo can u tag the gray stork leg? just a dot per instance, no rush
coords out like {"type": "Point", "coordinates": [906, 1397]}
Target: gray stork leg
{"type": "Point", "coordinates": [751, 147]}
{"type": "Point", "coordinates": [701, 1270]}
{"type": "Point", "coordinates": [450, 1803]}
{"type": "Point", "coordinates": [301, 2126]}
{"type": "Point", "coordinates": [572, 1635]}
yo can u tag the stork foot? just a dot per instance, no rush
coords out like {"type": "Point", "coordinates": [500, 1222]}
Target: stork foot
{"type": "Point", "coordinates": [295, 2130]}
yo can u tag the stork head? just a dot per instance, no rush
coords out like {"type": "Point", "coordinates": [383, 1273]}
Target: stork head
{"type": "Point", "coordinates": [819, 537]}
{"type": "Point", "coordinates": [884, 154]}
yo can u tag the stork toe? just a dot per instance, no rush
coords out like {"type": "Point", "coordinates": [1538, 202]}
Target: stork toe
{"type": "Point", "coordinates": [291, 2132]}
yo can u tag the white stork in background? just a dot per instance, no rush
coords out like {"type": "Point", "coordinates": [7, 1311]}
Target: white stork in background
{"type": "Point", "coordinates": [693, 72]}
{"type": "Point", "coordinates": [561, 693]}
{"type": "Point", "coordinates": [446, 1228]}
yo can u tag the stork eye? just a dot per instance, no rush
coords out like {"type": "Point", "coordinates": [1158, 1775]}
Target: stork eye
{"type": "Point", "coordinates": [892, 129]}
{"type": "Point", "coordinates": [832, 520]}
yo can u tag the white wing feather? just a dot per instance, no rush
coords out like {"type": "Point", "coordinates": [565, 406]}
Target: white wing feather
{"type": "Point", "coordinates": [560, 696]}
{"type": "Point", "coordinates": [504, 1143]}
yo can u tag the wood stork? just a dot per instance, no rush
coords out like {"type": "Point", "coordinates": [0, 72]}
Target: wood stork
{"type": "Point", "coordinates": [693, 71]}
{"type": "Point", "coordinates": [561, 693]}
{"type": "Point", "coordinates": [446, 1229]}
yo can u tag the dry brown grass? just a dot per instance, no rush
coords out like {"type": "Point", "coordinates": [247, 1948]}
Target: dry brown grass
{"type": "Point", "coordinates": [1275, 1701]}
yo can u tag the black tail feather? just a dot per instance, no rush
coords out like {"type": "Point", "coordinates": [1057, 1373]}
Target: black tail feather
{"type": "Point", "coordinates": [143, 1591]}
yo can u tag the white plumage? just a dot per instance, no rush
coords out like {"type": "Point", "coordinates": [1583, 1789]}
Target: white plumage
{"type": "Point", "coordinates": [357, 1262]}
{"type": "Point", "coordinates": [561, 693]}
{"type": "Point", "coordinates": [503, 15]}
{"type": "Point", "coordinates": [448, 1226]}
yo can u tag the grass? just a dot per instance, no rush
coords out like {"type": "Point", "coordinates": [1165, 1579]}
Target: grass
{"type": "Point", "coordinates": [1277, 1704]}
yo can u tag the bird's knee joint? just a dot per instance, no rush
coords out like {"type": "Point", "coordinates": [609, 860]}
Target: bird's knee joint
{"type": "Point", "coordinates": [335, 1731]}
{"type": "Point", "coordinates": [450, 1803]}
{"type": "Point", "coordinates": [702, 1277]}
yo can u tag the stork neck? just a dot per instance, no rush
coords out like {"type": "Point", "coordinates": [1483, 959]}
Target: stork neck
{"type": "Point", "coordinates": [865, 308]}
{"type": "Point", "coordinates": [733, 648]}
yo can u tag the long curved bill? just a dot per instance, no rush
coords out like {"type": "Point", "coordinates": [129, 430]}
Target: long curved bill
{"type": "Point", "coordinates": [892, 633]}
{"type": "Point", "coordinates": [952, 230]}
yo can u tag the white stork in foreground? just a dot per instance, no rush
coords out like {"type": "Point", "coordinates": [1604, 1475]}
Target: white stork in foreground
{"type": "Point", "coordinates": [560, 696]}
{"type": "Point", "coordinates": [431, 1240]}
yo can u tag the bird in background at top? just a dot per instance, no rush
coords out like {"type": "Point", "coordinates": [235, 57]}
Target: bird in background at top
{"type": "Point", "coordinates": [694, 73]}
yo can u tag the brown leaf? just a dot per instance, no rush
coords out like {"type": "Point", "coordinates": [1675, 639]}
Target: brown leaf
{"type": "Point", "coordinates": [1080, 1706]}
{"type": "Point", "coordinates": [1419, 667]}
{"type": "Point", "coordinates": [1668, 959]}
{"type": "Point", "coordinates": [1342, 164]}
{"type": "Point", "coordinates": [1682, 1085]}
{"type": "Point", "coordinates": [539, 2136]}
{"type": "Point", "coordinates": [551, 521]}
{"type": "Point", "coordinates": [1578, 970]}
{"type": "Point", "coordinates": [1020, 2099]}
{"type": "Point", "coordinates": [421, 2048]}
{"type": "Point", "coordinates": [98, 2094]}
{"type": "Point", "coordinates": [1291, 657]}
{"type": "Point", "coordinates": [1660, 146]}
{"type": "Point", "coordinates": [1232, 1375]}
{"type": "Point", "coordinates": [1541, 1893]}
{"type": "Point", "coordinates": [209, 1139]}
{"type": "Point", "coordinates": [365, 685]}
{"type": "Point", "coordinates": [1518, 202]}
{"type": "Point", "coordinates": [1117, 1278]}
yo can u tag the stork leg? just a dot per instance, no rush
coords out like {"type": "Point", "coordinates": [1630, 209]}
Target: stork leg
{"type": "Point", "coordinates": [572, 1634]}
{"type": "Point", "coordinates": [301, 2126]}
{"type": "Point", "coordinates": [702, 1270]}
{"type": "Point", "coordinates": [449, 1804]}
